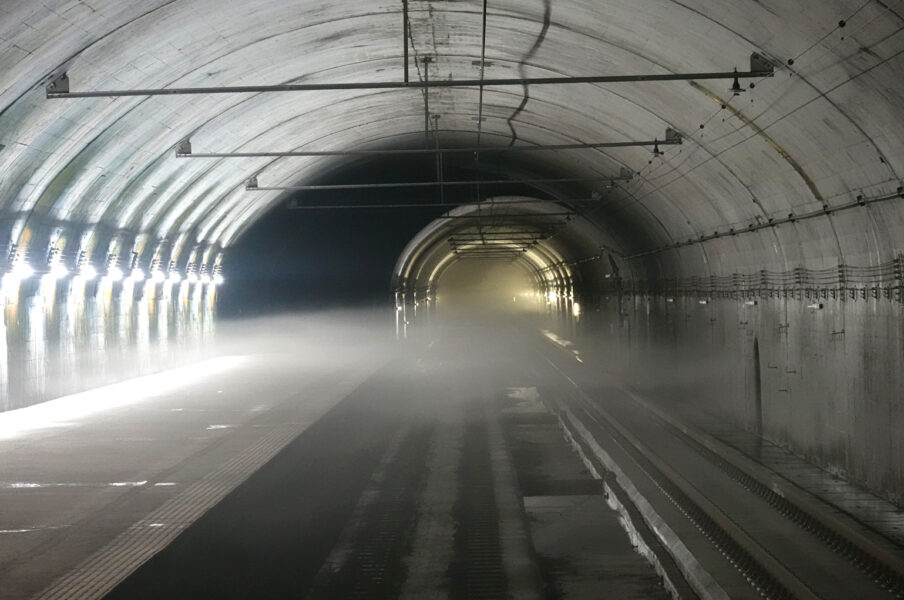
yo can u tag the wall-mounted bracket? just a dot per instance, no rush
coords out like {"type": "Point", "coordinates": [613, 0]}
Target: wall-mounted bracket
{"type": "Point", "coordinates": [59, 84]}
{"type": "Point", "coordinates": [761, 64]}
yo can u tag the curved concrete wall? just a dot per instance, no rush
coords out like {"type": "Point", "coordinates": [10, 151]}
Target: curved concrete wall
{"type": "Point", "coordinates": [788, 190]}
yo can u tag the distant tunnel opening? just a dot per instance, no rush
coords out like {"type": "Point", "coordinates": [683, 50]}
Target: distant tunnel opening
{"type": "Point", "coordinates": [489, 286]}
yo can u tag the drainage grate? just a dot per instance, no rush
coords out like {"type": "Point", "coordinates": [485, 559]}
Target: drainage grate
{"type": "Point", "coordinates": [476, 570]}
{"type": "Point", "coordinates": [374, 569]}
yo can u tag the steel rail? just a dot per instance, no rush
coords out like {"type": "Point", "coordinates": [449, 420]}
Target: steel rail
{"type": "Point", "coordinates": [758, 566]}
{"type": "Point", "coordinates": [879, 563]}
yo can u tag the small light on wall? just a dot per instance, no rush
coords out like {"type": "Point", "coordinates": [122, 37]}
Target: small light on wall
{"type": "Point", "coordinates": [750, 303]}
{"type": "Point", "coordinates": [192, 277]}
{"type": "Point", "coordinates": [114, 274]}
{"type": "Point", "coordinates": [576, 309]}
{"type": "Point", "coordinates": [58, 271]}
{"type": "Point", "coordinates": [218, 279]}
{"type": "Point", "coordinates": [22, 270]}
{"type": "Point", "coordinates": [815, 306]}
{"type": "Point", "coordinates": [205, 278]}
{"type": "Point", "coordinates": [158, 276]}
{"type": "Point", "coordinates": [175, 277]}
{"type": "Point", "coordinates": [137, 275]}
{"type": "Point", "coordinates": [88, 272]}
{"type": "Point", "coordinates": [670, 300]}
{"type": "Point", "coordinates": [703, 301]}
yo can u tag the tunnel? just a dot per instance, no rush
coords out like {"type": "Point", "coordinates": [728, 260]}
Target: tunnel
{"type": "Point", "coordinates": [435, 299]}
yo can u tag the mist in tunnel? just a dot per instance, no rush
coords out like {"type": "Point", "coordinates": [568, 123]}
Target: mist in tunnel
{"type": "Point", "coordinates": [720, 230]}
{"type": "Point", "coordinates": [487, 285]}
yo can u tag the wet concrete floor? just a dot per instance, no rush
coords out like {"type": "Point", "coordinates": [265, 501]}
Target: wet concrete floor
{"type": "Point", "coordinates": [442, 476]}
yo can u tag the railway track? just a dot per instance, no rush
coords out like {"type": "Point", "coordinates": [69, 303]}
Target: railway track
{"type": "Point", "coordinates": [771, 536]}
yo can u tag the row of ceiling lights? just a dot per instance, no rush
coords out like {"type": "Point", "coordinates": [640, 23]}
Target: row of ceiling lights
{"type": "Point", "coordinates": [21, 271]}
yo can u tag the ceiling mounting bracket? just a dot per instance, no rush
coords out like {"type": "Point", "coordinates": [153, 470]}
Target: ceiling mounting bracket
{"type": "Point", "coordinates": [59, 84]}
{"type": "Point", "coordinates": [759, 63]}
{"type": "Point", "coordinates": [183, 148]}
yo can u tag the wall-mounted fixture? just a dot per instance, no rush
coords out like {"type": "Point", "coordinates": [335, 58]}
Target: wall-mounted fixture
{"type": "Point", "coordinates": [114, 273]}
{"type": "Point", "coordinates": [21, 270]}
{"type": "Point", "coordinates": [87, 272]}
{"type": "Point", "coordinates": [58, 270]}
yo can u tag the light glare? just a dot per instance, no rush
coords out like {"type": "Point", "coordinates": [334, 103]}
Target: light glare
{"type": "Point", "coordinates": [22, 270]}
{"type": "Point", "coordinates": [58, 271]}
{"type": "Point", "coordinates": [68, 410]}
{"type": "Point", "coordinates": [114, 274]}
{"type": "Point", "coordinates": [88, 272]}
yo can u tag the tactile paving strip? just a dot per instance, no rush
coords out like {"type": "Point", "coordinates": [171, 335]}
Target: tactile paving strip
{"type": "Point", "coordinates": [101, 572]}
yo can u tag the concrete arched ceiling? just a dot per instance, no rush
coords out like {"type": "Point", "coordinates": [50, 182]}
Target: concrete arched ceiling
{"type": "Point", "coordinates": [80, 173]}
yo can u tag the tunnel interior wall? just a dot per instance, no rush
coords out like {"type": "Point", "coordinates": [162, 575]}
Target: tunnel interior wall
{"type": "Point", "coordinates": [819, 372]}
{"type": "Point", "coordinates": [61, 336]}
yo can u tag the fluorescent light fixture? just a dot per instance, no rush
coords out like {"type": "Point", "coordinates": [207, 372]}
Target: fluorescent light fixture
{"type": "Point", "coordinates": [750, 303]}
{"type": "Point", "coordinates": [815, 306]}
{"type": "Point", "coordinates": [114, 274]}
{"type": "Point", "coordinates": [22, 270]}
{"type": "Point", "coordinates": [137, 274]}
{"type": "Point", "coordinates": [703, 301]}
{"type": "Point", "coordinates": [58, 271]}
{"type": "Point", "coordinates": [88, 272]}
{"type": "Point", "coordinates": [158, 276]}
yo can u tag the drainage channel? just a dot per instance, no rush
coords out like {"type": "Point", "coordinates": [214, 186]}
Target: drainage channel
{"type": "Point", "coordinates": [477, 569]}
{"type": "Point", "coordinates": [584, 542]}
{"type": "Point", "coordinates": [367, 562]}
{"type": "Point", "coordinates": [743, 540]}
